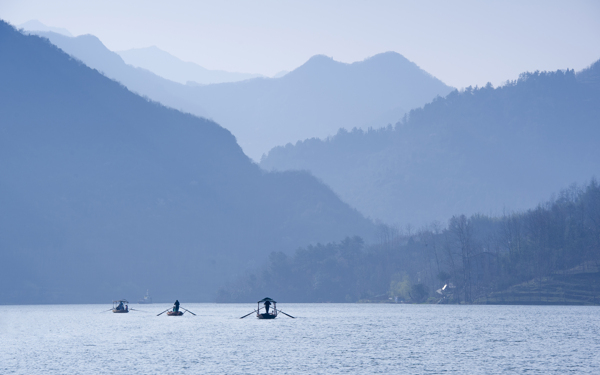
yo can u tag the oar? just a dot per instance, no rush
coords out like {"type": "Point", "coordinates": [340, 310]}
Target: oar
{"type": "Point", "coordinates": [108, 310]}
{"type": "Point", "coordinates": [164, 312]}
{"type": "Point", "coordinates": [286, 314]}
{"type": "Point", "coordinates": [248, 314]}
{"type": "Point", "coordinates": [188, 311]}
{"type": "Point", "coordinates": [251, 313]}
{"type": "Point", "coordinates": [136, 310]}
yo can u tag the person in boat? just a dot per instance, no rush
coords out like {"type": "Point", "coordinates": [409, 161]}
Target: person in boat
{"type": "Point", "coordinates": [120, 307]}
{"type": "Point", "coordinates": [126, 307]}
{"type": "Point", "coordinates": [176, 306]}
{"type": "Point", "coordinates": [267, 305]}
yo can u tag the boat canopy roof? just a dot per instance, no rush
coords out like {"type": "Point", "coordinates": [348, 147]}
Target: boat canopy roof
{"type": "Point", "coordinates": [121, 300]}
{"type": "Point", "coordinates": [267, 299]}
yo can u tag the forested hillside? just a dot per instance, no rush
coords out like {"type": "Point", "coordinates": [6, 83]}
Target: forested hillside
{"type": "Point", "coordinates": [104, 194]}
{"type": "Point", "coordinates": [478, 150]}
{"type": "Point", "coordinates": [546, 255]}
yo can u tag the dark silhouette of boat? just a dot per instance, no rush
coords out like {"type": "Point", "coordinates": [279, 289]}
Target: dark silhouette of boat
{"type": "Point", "coordinates": [267, 302]}
{"type": "Point", "coordinates": [266, 315]}
{"type": "Point", "coordinates": [119, 307]}
{"type": "Point", "coordinates": [175, 310]}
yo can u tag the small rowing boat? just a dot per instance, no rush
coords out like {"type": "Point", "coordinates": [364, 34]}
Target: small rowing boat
{"type": "Point", "coordinates": [267, 302]}
{"type": "Point", "coordinates": [175, 310]}
{"type": "Point", "coordinates": [120, 306]}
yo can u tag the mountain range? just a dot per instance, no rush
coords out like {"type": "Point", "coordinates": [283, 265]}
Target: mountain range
{"type": "Point", "coordinates": [170, 67]}
{"type": "Point", "coordinates": [314, 100]}
{"type": "Point", "coordinates": [480, 150]}
{"type": "Point", "coordinates": [317, 99]}
{"type": "Point", "coordinates": [89, 50]}
{"type": "Point", "coordinates": [35, 25]}
{"type": "Point", "coordinates": [154, 60]}
{"type": "Point", "coordinates": [105, 193]}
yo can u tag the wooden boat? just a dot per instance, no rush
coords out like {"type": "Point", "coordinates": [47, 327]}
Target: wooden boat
{"type": "Point", "coordinates": [118, 307]}
{"type": "Point", "coordinates": [267, 315]}
{"type": "Point", "coordinates": [172, 312]}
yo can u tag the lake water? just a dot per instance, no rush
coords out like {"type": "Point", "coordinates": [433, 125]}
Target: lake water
{"type": "Point", "coordinates": [324, 339]}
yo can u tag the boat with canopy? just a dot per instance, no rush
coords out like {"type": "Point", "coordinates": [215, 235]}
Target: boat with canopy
{"type": "Point", "coordinates": [267, 302]}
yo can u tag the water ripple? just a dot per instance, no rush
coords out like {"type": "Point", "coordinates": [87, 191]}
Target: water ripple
{"type": "Point", "coordinates": [325, 339]}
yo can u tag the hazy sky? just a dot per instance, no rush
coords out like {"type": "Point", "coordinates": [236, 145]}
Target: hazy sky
{"type": "Point", "coordinates": [462, 43]}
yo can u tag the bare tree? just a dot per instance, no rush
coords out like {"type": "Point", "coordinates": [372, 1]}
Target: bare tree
{"type": "Point", "coordinates": [462, 232]}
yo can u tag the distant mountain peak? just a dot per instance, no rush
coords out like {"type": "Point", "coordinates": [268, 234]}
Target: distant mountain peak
{"type": "Point", "coordinates": [92, 38]}
{"type": "Point", "coordinates": [317, 58]}
{"type": "Point", "coordinates": [316, 63]}
{"type": "Point", "coordinates": [388, 56]}
{"type": "Point", "coordinates": [384, 65]}
{"type": "Point", "coordinates": [320, 60]}
{"type": "Point", "coordinates": [385, 60]}
{"type": "Point", "coordinates": [171, 67]}
{"type": "Point", "coordinates": [35, 25]}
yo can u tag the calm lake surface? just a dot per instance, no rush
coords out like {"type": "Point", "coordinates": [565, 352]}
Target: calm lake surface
{"type": "Point", "coordinates": [325, 339]}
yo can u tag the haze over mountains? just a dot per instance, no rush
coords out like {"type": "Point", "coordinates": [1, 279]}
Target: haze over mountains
{"type": "Point", "coordinates": [105, 193]}
{"type": "Point", "coordinates": [314, 100]}
{"type": "Point", "coordinates": [35, 25]}
{"type": "Point", "coordinates": [317, 99]}
{"type": "Point", "coordinates": [94, 54]}
{"type": "Point", "coordinates": [170, 67]}
{"type": "Point", "coordinates": [482, 150]}
{"type": "Point", "coordinates": [151, 58]}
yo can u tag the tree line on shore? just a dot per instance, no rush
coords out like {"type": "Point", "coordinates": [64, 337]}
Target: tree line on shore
{"type": "Point", "coordinates": [471, 256]}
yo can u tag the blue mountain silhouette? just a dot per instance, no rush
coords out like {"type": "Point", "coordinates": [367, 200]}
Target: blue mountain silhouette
{"type": "Point", "coordinates": [105, 193]}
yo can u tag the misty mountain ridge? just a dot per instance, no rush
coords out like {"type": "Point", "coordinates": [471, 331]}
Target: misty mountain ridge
{"type": "Point", "coordinates": [481, 150]}
{"type": "Point", "coordinates": [90, 50]}
{"type": "Point", "coordinates": [172, 68]}
{"type": "Point", "coordinates": [318, 98]}
{"type": "Point", "coordinates": [35, 25]}
{"type": "Point", "coordinates": [106, 194]}
{"type": "Point", "coordinates": [281, 74]}
{"type": "Point", "coordinates": [314, 100]}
